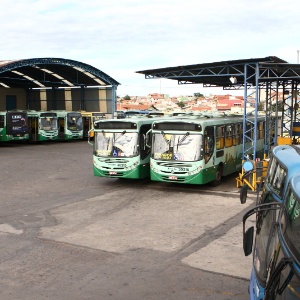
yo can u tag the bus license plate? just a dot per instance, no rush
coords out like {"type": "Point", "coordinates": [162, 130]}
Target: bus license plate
{"type": "Point", "coordinates": [112, 173]}
{"type": "Point", "coordinates": [173, 177]}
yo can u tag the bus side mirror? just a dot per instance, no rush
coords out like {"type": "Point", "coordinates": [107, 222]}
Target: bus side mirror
{"type": "Point", "coordinates": [248, 241]}
{"type": "Point", "coordinates": [243, 193]}
{"type": "Point", "coordinates": [148, 139]}
{"type": "Point", "coordinates": [143, 145]}
{"type": "Point", "coordinates": [91, 135]}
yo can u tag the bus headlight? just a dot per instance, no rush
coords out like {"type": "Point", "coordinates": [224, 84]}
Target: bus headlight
{"type": "Point", "coordinates": [132, 166]}
{"type": "Point", "coordinates": [154, 170]}
{"type": "Point", "coordinates": [195, 171]}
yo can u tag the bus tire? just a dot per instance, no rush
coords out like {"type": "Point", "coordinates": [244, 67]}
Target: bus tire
{"type": "Point", "coordinates": [219, 174]}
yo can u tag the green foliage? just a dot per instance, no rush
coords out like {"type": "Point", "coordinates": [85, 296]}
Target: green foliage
{"type": "Point", "coordinates": [198, 95]}
{"type": "Point", "coordinates": [261, 105]}
{"type": "Point", "coordinates": [181, 104]}
{"type": "Point", "coordinates": [126, 97]}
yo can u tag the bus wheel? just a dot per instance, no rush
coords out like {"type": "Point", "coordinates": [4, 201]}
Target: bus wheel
{"type": "Point", "coordinates": [219, 175]}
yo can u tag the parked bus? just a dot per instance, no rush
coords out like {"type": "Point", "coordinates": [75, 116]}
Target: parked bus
{"type": "Point", "coordinates": [123, 114]}
{"type": "Point", "coordinates": [120, 150]}
{"type": "Point", "coordinates": [88, 120]}
{"type": "Point", "coordinates": [13, 126]}
{"type": "Point", "coordinates": [43, 125]}
{"type": "Point", "coordinates": [155, 113]}
{"type": "Point", "coordinates": [280, 184]}
{"type": "Point", "coordinates": [199, 149]}
{"type": "Point", "coordinates": [70, 125]}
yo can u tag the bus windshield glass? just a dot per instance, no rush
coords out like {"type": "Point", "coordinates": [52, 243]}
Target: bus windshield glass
{"type": "Point", "coordinates": [180, 147]}
{"type": "Point", "coordinates": [49, 123]}
{"type": "Point", "coordinates": [290, 224]}
{"type": "Point", "coordinates": [265, 238]}
{"type": "Point", "coordinates": [116, 144]}
{"type": "Point", "coordinates": [75, 122]}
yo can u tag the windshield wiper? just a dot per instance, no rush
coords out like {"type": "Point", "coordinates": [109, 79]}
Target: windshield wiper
{"type": "Point", "coordinates": [271, 236]}
{"type": "Point", "coordinates": [179, 143]}
{"type": "Point", "coordinates": [273, 288]}
{"type": "Point", "coordinates": [166, 140]}
{"type": "Point", "coordinates": [119, 136]}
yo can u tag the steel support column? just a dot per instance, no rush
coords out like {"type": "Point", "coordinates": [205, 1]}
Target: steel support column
{"type": "Point", "coordinates": [250, 110]}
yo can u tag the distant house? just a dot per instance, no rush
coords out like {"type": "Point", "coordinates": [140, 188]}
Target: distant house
{"type": "Point", "coordinates": [201, 108]}
{"type": "Point", "coordinates": [165, 103]}
{"type": "Point", "coordinates": [127, 106]}
{"type": "Point", "coordinates": [225, 102]}
{"type": "Point", "coordinates": [156, 96]}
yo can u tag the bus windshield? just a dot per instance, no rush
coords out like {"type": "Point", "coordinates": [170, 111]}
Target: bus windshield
{"type": "Point", "coordinates": [284, 281]}
{"type": "Point", "coordinates": [265, 239]}
{"type": "Point", "coordinates": [49, 123]}
{"type": "Point", "coordinates": [116, 144]}
{"type": "Point", "coordinates": [180, 147]}
{"type": "Point", "coordinates": [291, 223]}
{"type": "Point", "coordinates": [74, 122]}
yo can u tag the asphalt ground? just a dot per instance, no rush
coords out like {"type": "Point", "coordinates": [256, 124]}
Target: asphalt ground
{"type": "Point", "coordinates": [66, 234]}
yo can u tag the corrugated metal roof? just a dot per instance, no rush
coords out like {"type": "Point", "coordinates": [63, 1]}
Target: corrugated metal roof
{"type": "Point", "coordinates": [218, 73]}
{"type": "Point", "coordinates": [51, 72]}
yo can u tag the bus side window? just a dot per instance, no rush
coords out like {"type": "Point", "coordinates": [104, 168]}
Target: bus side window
{"type": "Point", "coordinates": [279, 180]}
{"type": "Point", "coordinates": [237, 133]}
{"type": "Point", "coordinates": [249, 132]}
{"type": "Point", "coordinates": [228, 140]}
{"type": "Point", "coordinates": [220, 137]}
{"type": "Point", "coordinates": [2, 122]}
{"type": "Point", "coordinates": [260, 130]}
{"type": "Point", "coordinates": [208, 143]}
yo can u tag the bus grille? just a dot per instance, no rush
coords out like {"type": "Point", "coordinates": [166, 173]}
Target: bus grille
{"type": "Point", "coordinates": [174, 164]}
{"type": "Point", "coordinates": [174, 172]}
{"type": "Point", "coordinates": [113, 160]}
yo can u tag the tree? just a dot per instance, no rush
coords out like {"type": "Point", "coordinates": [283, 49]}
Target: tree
{"type": "Point", "coordinates": [261, 105]}
{"type": "Point", "coordinates": [181, 104]}
{"type": "Point", "coordinates": [126, 97]}
{"type": "Point", "coordinates": [198, 95]}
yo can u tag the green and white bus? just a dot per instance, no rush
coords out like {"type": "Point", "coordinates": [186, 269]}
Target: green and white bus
{"type": "Point", "coordinates": [199, 149]}
{"type": "Point", "coordinates": [70, 126]}
{"type": "Point", "coordinates": [43, 125]}
{"type": "Point", "coordinates": [13, 126]}
{"type": "Point", "coordinates": [88, 120]}
{"type": "Point", "coordinates": [120, 149]}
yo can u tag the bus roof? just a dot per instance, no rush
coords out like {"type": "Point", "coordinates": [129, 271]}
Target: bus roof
{"type": "Point", "coordinates": [289, 156]}
{"type": "Point", "coordinates": [295, 183]}
{"type": "Point", "coordinates": [206, 119]}
{"type": "Point", "coordinates": [140, 120]}
{"type": "Point", "coordinates": [42, 112]}
{"type": "Point", "coordinates": [65, 112]}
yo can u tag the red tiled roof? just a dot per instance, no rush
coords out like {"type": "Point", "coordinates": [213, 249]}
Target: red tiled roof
{"type": "Point", "coordinates": [201, 108]}
{"type": "Point", "coordinates": [125, 106]}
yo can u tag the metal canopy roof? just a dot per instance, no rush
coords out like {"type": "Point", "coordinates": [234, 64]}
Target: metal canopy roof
{"type": "Point", "coordinates": [268, 69]}
{"type": "Point", "coordinates": [51, 72]}
{"type": "Point", "coordinates": [270, 74]}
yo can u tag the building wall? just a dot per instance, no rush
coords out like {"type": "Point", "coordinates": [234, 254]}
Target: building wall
{"type": "Point", "coordinates": [89, 99]}
{"type": "Point", "coordinates": [20, 95]}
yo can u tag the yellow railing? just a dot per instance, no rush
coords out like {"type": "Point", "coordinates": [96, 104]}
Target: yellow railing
{"type": "Point", "coordinates": [255, 177]}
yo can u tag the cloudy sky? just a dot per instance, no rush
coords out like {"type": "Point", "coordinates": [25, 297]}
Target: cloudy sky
{"type": "Point", "coordinates": [120, 37]}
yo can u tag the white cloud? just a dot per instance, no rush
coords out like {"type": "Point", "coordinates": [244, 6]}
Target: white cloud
{"type": "Point", "coordinates": [120, 37]}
